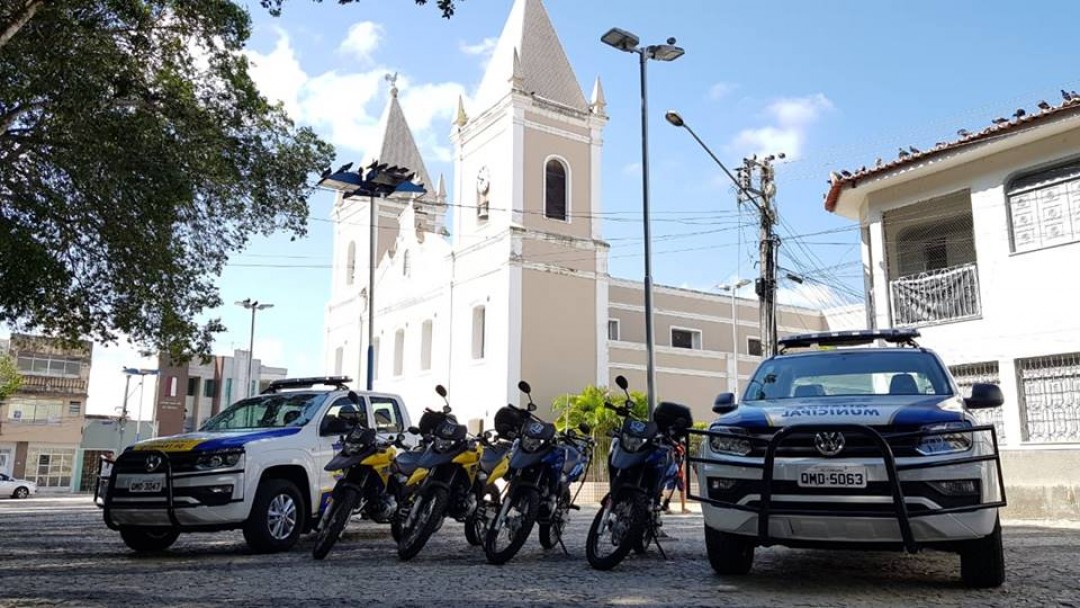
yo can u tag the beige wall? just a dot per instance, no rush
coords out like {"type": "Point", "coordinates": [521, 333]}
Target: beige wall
{"type": "Point", "coordinates": [538, 146]}
{"type": "Point", "coordinates": [557, 252]}
{"type": "Point", "coordinates": [558, 335]}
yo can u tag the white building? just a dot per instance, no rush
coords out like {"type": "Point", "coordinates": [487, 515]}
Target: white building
{"type": "Point", "coordinates": [521, 290]}
{"type": "Point", "coordinates": [971, 241]}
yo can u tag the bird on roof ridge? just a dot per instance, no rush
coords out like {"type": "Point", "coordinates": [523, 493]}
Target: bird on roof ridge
{"type": "Point", "coordinates": [914, 150]}
{"type": "Point", "coordinates": [1066, 95]}
{"type": "Point", "coordinates": [1044, 106]}
{"type": "Point", "coordinates": [1000, 121]}
{"type": "Point", "coordinates": [845, 173]}
{"type": "Point", "coordinates": [904, 153]}
{"type": "Point", "coordinates": [963, 133]}
{"type": "Point", "coordinates": [879, 162]}
{"type": "Point", "coordinates": [1019, 113]}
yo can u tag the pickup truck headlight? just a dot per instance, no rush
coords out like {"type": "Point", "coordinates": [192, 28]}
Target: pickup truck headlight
{"type": "Point", "coordinates": [945, 443]}
{"type": "Point", "coordinates": [730, 441]}
{"type": "Point", "coordinates": [219, 459]}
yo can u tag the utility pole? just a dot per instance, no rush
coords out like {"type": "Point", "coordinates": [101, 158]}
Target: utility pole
{"type": "Point", "coordinates": [768, 240]}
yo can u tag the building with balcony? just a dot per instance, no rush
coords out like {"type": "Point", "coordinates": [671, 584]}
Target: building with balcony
{"type": "Point", "coordinates": [41, 424]}
{"type": "Point", "coordinates": [971, 241]}
{"type": "Point", "coordinates": [189, 393]}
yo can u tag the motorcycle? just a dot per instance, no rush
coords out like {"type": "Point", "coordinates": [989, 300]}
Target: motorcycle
{"type": "Point", "coordinates": [494, 463]}
{"type": "Point", "coordinates": [543, 466]}
{"type": "Point", "coordinates": [640, 467]}
{"type": "Point", "coordinates": [449, 483]}
{"type": "Point", "coordinates": [371, 483]}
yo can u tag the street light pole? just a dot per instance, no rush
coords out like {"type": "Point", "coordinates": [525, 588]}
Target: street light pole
{"type": "Point", "coordinates": [734, 331]}
{"type": "Point", "coordinates": [254, 306]}
{"type": "Point", "coordinates": [628, 42]}
{"type": "Point", "coordinates": [372, 249]}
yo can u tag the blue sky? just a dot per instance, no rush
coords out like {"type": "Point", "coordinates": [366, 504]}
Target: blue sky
{"type": "Point", "coordinates": [833, 84]}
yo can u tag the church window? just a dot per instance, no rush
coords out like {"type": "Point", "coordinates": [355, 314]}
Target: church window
{"type": "Point", "coordinates": [555, 190]}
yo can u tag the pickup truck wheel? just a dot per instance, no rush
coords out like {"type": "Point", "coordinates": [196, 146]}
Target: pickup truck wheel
{"type": "Point", "coordinates": [729, 553]}
{"type": "Point", "coordinates": [982, 561]}
{"type": "Point", "coordinates": [277, 517]}
{"type": "Point", "coordinates": [148, 540]}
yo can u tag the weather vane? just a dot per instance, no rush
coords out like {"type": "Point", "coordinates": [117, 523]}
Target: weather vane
{"type": "Point", "coordinates": [392, 79]}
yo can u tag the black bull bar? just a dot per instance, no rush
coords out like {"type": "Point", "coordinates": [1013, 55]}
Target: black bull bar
{"type": "Point", "coordinates": [765, 510]}
{"type": "Point", "coordinates": [126, 460]}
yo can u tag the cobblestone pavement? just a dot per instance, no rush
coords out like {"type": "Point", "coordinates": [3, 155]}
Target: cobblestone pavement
{"type": "Point", "coordinates": [57, 552]}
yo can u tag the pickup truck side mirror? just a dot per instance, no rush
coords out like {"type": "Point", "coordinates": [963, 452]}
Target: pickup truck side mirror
{"type": "Point", "coordinates": [333, 425]}
{"type": "Point", "coordinates": [984, 396]}
{"type": "Point", "coordinates": [412, 430]}
{"type": "Point", "coordinates": [724, 403]}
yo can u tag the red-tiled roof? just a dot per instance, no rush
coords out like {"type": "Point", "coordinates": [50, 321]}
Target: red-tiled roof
{"type": "Point", "coordinates": [1001, 126]}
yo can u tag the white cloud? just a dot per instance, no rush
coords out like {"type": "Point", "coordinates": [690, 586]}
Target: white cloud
{"type": "Point", "coordinates": [362, 40]}
{"type": "Point", "coordinates": [483, 48]}
{"type": "Point", "coordinates": [105, 394]}
{"type": "Point", "coordinates": [721, 90]}
{"type": "Point", "coordinates": [271, 351]}
{"type": "Point", "coordinates": [791, 118]}
{"type": "Point", "coordinates": [632, 169]}
{"type": "Point", "coordinates": [811, 295]}
{"type": "Point", "coordinates": [337, 103]}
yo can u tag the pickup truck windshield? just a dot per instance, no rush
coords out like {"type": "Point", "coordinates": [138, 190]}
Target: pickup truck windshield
{"type": "Point", "coordinates": [838, 373]}
{"type": "Point", "coordinates": [267, 412]}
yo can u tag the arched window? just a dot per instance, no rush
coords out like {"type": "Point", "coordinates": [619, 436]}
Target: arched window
{"type": "Point", "coordinates": [555, 192]}
{"type": "Point", "coordinates": [350, 264]}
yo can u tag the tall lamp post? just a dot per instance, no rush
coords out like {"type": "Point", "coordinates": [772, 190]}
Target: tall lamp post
{"type": "Point", "coordinates": [628, 42]}
{"type": "Point", "coordinates": [142, 378]}
{"type": "Point", "coordinates": [376, 180]}
{"type": "Point", "coordinates": [254, 306]}
{"type": "Point", "coordinates": [733, 287]}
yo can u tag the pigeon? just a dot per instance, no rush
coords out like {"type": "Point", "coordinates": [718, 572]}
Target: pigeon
{"type": "Point", "coordinates": [914, 150]}
{"type": "Point", "coordinates": [862, 169]}
{"type": "Point", "coordinates": [941, 144]}
{"type": "Point", "coordinates": [1075, 95]}
{"type": "Point", "coordinates": [1000, 121]}
{"type": "Point", "coordinates": [879, 162]}
{"type": "Point", "coordinates": [846, 173]}
{"type": "Point", "coordinates": [963, 133]}
{"type": "Point", "coordinates": [326, 173]}
{"type": "Point", "coordinates": [1019, 113]}
{"type": "Point", "coordinates": [904, 153]}
{"type": "Point", "coordinates": [1044, 106]}
{"type": "Point", "coordinates": [1065, 95]}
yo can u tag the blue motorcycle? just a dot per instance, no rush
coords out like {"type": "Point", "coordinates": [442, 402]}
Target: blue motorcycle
{"type": "Point", "coordinates": [544, 464]}
{"type": "Point", "coordinates": [640, 466]}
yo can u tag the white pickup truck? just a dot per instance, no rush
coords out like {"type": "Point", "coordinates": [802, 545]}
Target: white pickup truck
{"type": "Point", "coordinates": [256, 466]}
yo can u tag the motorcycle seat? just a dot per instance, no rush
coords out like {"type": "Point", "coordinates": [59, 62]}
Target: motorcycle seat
{"type": "Point", "coordinates": [405, 462]}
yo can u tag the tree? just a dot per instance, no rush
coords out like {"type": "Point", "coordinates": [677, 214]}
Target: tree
{"type": "Point", "coordinates": [446, 6]}
{"type": "Point", "coordinates": [136, 154]}
{"type": "Point", "coordinates": [10, 379]}
{"type": "Point", "coordinates": [588, 407]}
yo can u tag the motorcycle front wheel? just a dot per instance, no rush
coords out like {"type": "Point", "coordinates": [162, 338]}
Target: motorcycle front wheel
{"type": "Point", "coordinates": [551, 533]}
{"type": "Point", "coordinates": [426, 516]}
{"type": "Point", "coordinates": [614, 530]}
{"type": "Point", "coordinates": [511, 526]}
{"type": "Point", "coordinates": [336, 519]}
{"type": "Point", "coordinates": [476, 523]}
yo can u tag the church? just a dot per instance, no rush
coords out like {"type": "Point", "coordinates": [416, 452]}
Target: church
{"type": "Point", "coordinates": [518, 287]}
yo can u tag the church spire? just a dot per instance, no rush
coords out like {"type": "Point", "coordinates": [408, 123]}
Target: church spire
{"type": "Point", "coordinates": [598, 103]}
{"type": "Point", "coordinates": [529, 52]}
{"type": "Point", "coordinates": [398, 146]}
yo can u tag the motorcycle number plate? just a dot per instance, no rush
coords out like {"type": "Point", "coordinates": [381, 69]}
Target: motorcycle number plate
{"type": "Point", "coordinates": [145, 483]}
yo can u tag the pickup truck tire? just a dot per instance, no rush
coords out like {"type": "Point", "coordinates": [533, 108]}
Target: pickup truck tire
{"type": "Point", "coordinates": [982, 561]}
{"type": "Point", "coordinates": [729, 553]}
{"type": "Point", "coordinates": [277, 517]}
{"type": "Point", "coordinates": [148, 540]}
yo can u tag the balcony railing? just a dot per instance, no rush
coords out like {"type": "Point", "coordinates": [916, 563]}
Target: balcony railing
{"type": "Point", "coordinates": [936, 296]}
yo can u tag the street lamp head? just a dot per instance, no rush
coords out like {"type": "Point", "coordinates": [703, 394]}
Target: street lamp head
{"type": "Point", "coordinates": [673, 117]}
{"type": "Point", "coordinates": [264, 306]}
{"type": "Point", "coordinates": [794, 277]}
{"type": "Point", "coordinates": [621, 39]}
{"type": "Point", "coordinates": [666, 52]}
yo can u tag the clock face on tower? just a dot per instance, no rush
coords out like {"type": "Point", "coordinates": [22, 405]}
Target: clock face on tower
{"type": "Point", "coordinates": [483, 181]}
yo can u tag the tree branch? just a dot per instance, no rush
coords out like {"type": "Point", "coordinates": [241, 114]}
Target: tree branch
{"type": "Point", "coordinates": [22, 17]}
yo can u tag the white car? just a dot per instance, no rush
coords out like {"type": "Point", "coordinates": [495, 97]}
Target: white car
{"type": "Point", "coordinates": [256, 466]}
{"type": "Point", "coordinates": [853, 448]}
{"type": "Point", "coordinates": [16, 488]}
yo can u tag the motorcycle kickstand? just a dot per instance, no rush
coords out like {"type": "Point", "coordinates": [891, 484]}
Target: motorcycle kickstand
{"type": "Point", "coordinates": [656, 539]}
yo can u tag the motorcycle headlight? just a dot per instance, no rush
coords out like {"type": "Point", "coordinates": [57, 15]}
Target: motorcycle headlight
{"type": "Point", "coordinates": [444, 445]}
{"type": "Point", "coordinates": [531, 444]}
{"type": "Point", "coordinates": [730, 442]}
{"type": "Point", "coordinates": [632, 444]}
{"type": "Point", "coordinates": [220, 459]}
{"type": "Point", "coordinates": [944, 443]}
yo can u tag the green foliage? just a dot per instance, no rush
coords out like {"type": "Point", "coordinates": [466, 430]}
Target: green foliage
{"type": "Point", "coordinates": [10, 380]}
{"type": "Point", "coordinates": [446, 6]}
{"type": "Point", "coordinates": [588, 407]}
{"type": "Point", "coordinates": [136, 154]}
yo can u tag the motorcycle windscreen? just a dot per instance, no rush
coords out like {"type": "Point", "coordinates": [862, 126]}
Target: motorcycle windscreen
{"type": "Point", "coordinates": [340, 461]}
{"type": "Point", "coordinates": [621, 459]}
{"type": "Point", "coordinates": [521, 459]}
{"type": "Point", "coordinates": [432, 459]}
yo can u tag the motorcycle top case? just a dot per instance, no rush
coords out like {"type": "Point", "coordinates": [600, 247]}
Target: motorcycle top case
{"type": "Point", "coordinates": [668, 413]}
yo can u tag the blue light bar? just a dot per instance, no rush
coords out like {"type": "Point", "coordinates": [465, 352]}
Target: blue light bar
{"type": "Point", "coordinates": [905, 336]}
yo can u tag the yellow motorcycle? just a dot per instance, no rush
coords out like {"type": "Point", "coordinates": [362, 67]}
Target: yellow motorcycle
{"type": "Point", "coordinates": [494, 464]}
{"type": "Point", "coordinates": [449, 482]}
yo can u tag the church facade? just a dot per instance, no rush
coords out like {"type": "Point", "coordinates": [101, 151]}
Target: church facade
{"type": "Point", "coordinates": [520, 290]}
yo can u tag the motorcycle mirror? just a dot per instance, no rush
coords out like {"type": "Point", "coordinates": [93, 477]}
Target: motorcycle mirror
{"type": "Point", "coordinates": [400, 438]}
{"type": "Point", "coordinates": [441, 390]}
{"type": "Point", "coordinates": [524, 387]}
{"type": "Point", "coordinates": [532, 406]}
{"type": "Point", "coordinates": [584, 428]}
{"type": "Point", "coordinates": [621, 382]}
{"type": "Point", "coordinates": [354, 397]}
{"type": "Point", "coordinates": [446, 409]}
